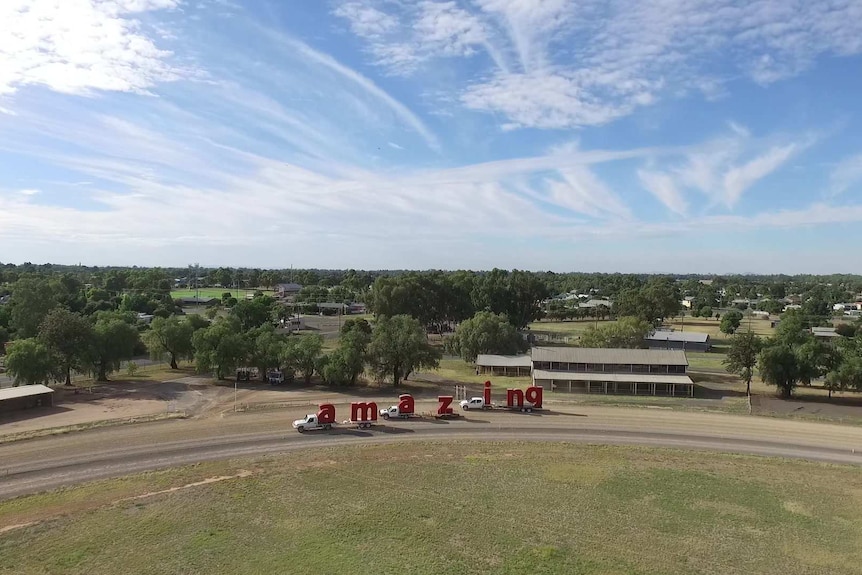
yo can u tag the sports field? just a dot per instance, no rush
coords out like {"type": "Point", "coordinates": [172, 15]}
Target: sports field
{"type": "Point", "coordinates": [215, 292]}
{"type": "Point", "coordinates": [451, 508]}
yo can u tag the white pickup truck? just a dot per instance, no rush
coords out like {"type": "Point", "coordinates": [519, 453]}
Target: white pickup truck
{"type": "Point", "coordinates": [393, 412]}
{"type": "Point", "coordinates": [310, 423]}
{"type": "Point", "coordinates": [475, 403]}
{"type": "Point", "coordinates": [479, 403]}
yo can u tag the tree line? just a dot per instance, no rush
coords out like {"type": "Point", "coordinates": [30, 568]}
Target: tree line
{"type": "Point", "coordinates": [66, 341]}
{"type": "Point", "coordinates": [792, 356]}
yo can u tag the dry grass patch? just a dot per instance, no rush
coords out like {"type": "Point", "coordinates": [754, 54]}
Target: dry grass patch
{"type": "Point", "coordinates": [451, 508]}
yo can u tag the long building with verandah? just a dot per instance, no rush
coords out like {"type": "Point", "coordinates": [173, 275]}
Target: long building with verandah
{"type": "Point", "coordinates": [602, 370]}
{"type": "Point", "coordinates": [504, 364]}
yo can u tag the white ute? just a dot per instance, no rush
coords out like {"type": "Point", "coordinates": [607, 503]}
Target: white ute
{"type": "Point", "coordinates": [393, 412]}
{"type": "Point", "coordinates": [310, 423]}
{"type": "Point", "coordinates": [474, 403]}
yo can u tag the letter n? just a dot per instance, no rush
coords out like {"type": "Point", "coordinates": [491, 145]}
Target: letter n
{"type": "Point", "coordinates": [514, 398]}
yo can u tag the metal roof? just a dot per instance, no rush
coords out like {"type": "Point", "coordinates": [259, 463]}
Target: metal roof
{"type": "Point", "coordinates": [605, 355]}
{"type": "Point", "coordinates": [686, 336]}
{"type": "Point", "coordinates": [24, 391]}
{"type": "Point", "coordinates": [485, 360]}
{"type": "Point", "coordinates": [541, 374]}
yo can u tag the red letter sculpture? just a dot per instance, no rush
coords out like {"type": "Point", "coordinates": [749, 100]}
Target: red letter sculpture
{"type": "Point", "coordinates": [514, 398]}
{"type": "Point", "coordinates": [360, 411]}
{"type": "Point", "coordinates": [326, 413]}
{"type": "Point", "coordinates": [406, 405]}
{"type": "Point", "coordinates": [534, 396]}
{"type": "Point", "coordinates": [445, 402]}
{"type": "Point", "coordinates": [487, 393]}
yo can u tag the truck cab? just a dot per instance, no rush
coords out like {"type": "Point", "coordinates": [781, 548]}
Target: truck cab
{"type": "Point", "coordinates": [310, 422]}
{"type": "Point", "coordinates": [474, 403]}
{"type": "Point", "coordinates": [393, 412]}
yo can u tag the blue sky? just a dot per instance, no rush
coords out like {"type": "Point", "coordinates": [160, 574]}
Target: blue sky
{"type": "Point", "coordinates": [624, 135]}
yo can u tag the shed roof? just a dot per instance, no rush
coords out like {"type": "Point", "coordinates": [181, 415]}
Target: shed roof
{"type": "Point", "coordinates": [686, 336]}
{"type": "Point", "coordinates": [486, 360]}
{"type": "Point", "coordinates": [540, 374]}
{"type": "Point", "coordinates": [24, 391]}
{"type": "Point", "coordinates": [824, 332]}
{"type": "Point", "coordinates": [606, 355]}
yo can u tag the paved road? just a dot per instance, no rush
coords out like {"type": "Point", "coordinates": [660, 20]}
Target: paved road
{"type": "Point", "coordinates": [35, 465]}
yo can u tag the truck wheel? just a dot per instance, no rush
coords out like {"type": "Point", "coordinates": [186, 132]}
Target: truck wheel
{"type": "Point", "coordinates": [300, 429]}
{"type": "Point", "coordinates": [327, 427]}
{"type": "Point", "coordinates": [385, 416]}
{"type": "Point", "coordinates": [464, 408]}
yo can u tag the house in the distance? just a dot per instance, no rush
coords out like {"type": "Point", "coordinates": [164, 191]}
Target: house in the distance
{"type": "Point", "coordinates": [686, 340]}
{"type": "Point", "coordinates": [287, 290]}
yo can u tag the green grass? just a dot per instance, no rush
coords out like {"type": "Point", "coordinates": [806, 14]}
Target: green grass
{"type": "Point", "coordinates": [463, 372]}
{"type": "Point", "coordinates": [214, 292]}
{"type": "Point", "coordinates": [453, 508]}
{"type": "Point", "coordinates": [705, 360]}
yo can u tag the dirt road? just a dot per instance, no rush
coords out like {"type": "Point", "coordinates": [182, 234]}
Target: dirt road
{"type": "Point", "coordinates": [40, 464]}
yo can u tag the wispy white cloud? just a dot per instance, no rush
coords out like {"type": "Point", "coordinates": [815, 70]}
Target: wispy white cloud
{"type": "Point", "coordinates": [366, 21]}
{"type": "Point", "coordinates": [76, 46]}
{"type": "Point", "coordinates": [722, 169]}
{"type": "Point", "coordinates": [665, 189]}
{"type": "Point", "coordinates": [369, 86]}
{"type": "Point", "coordinates": [847, 173]}
{"type": "Point", "coordinates": [593, 61]}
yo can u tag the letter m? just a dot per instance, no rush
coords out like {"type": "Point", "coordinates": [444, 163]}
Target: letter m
{"type": "Point", "coordinates": [362, 411]}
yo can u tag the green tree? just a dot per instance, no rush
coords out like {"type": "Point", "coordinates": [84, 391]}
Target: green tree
{"type": "Point", "coordinates": [730, 322]}
{"type": "Point", "coordinates": [846, 329]}
{"type": "Point", "coordinates": [356, 324]}
{"type": "Point", "coordinates": [32, 299]}
{"type": "Point", "coordinates": [772, 306]}
{"type": "Point", "coordinates": [220, 348]}
{"type": "Point", "coordinates": [303, 353]}
{"type": "Point", "coordinates": [114, 340]}
{"type": "Point", "coordinates": [267, 349]}
{"type": "Point", "coordinates": [485, 332]}
{"type": "Point", "coordinates": [399, 346]}
{"type": "Point", "coordinates": [657, 300]}
{"type": "Point", "coordinates": [70, 337]}
{"type": "Point", "coordinates": [778, 367]}
{"type": "Point", "coordinates": [627, 332]}
{"type": "Point", "coordinates": [169, 337]}
{"type": "Point", "coordinates": [30, 361]}
{"type": "Point", "coordinates": [742, 356]}
{"type": "Point", "coordinates": [253, 312]}
{"type": "Point", "coordinates": [846, 371]}
{"type": "Point", "coordinates": [706, 312]}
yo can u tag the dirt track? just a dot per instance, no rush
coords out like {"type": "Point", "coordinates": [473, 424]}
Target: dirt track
{"type": "Point", "coordinates": [40, 464]}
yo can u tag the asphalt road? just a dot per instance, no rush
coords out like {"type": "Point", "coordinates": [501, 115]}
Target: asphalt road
{"type": "Point", "coordinates": [35, 465]}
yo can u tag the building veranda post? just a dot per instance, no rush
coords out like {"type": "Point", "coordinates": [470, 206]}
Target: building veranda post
{"type": "Point", "coordinates": [623, 371]}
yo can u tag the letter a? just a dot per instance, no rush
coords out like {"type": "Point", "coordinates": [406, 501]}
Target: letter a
{"type": "Point", "coordinates": [326, 413]}
{"type": "Point", "coordinates": [406, 405]}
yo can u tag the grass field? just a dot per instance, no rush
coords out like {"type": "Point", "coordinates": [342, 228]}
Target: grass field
{"type": "Point", "coordinates": [452, 508]}
{"type": "Point", "coordinates": [214, 292]}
